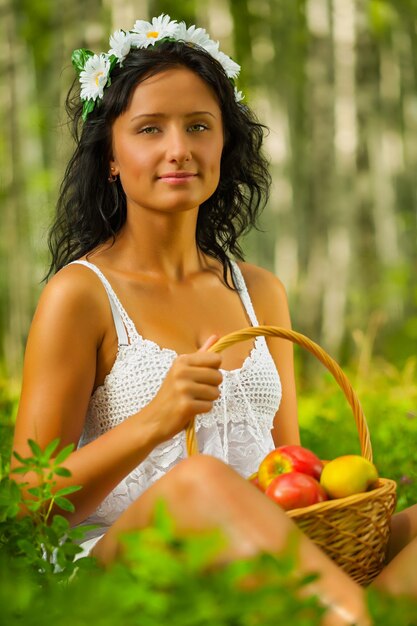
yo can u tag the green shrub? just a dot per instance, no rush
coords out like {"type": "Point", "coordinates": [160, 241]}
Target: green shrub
{"type": "Point", "coordinates": [168, 579]}
{"type": "Point", "coordinates": [389, 399]}
{"type": "Point", "coordinates": [8, 408]}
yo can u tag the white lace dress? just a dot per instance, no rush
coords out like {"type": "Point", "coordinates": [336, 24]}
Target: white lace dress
{"type": "Point", "coordinates": [236, 430]}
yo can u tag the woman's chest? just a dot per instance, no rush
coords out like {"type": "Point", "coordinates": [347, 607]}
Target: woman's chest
{"type": "Point", "coordinates": [183, 317]}
{"type": "Point", "coordinates": [180, 316]}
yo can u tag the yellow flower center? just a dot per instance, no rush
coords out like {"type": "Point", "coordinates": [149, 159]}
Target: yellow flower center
{"type": "Point", "coordinates": [152, 33]}
{"type": "Point", "coordinates": [98, 77]}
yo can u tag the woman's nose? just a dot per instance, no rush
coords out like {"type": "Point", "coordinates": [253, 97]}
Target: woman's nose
{"type": "Point", "coordinates": [178, 146]}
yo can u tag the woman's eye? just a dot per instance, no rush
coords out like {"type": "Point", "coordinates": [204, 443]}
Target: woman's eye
{"type": "Point", "coordinates": [152, 130]}
{"type": "Point", "coordinates": [198, 127]}
{"type": "Point", "coordinates": [149, 130]}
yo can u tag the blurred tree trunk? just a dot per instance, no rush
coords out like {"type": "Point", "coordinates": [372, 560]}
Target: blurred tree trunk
{"type": "Point", "coordinates": [15, 253]}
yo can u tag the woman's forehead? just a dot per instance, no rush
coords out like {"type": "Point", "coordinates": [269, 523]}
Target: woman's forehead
{"type": "Point", "coordinates": [175, 89]}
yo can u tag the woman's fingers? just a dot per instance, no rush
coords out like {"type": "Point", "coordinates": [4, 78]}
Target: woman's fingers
{"type": "Point", "coordinates": [197, 382]}
{"type": "Point", "coordinates": [190, 387]}
{"type": "Point", "coordinates": [204, 375]}
{"type": "Point", "coordinates": [202, 358]}
{"type": "Point", "coordinates": [208, 343]}
{"type": "Point", "coordinates": [203, 392]}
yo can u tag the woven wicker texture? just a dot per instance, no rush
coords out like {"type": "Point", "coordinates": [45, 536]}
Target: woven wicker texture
{"type": "Point", "coordinates": [353, 531]}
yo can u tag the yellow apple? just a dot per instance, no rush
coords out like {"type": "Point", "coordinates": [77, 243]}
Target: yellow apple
{"type": "Point", "coordinates": [347, 475]}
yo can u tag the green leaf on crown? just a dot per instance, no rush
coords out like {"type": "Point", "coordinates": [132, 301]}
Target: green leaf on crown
{"type": "Point", "coordinates": [113, 60]}
{"type": "Point", "coordinates": [79, 58]}
{"type": "Point", "coordinates": [88, 106]}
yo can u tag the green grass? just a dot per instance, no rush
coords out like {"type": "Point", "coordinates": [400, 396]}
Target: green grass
{"type": "Point", "coordinates": [389, 400]}
{"type": "Point", "coordinates": [167, 579]}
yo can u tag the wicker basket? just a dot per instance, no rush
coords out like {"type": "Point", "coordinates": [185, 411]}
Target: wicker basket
{"type": "Point", "coordinates": [353, 531]}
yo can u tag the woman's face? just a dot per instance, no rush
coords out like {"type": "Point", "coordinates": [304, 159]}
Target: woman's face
{"type": "Point", "coordinates": [167, 146]}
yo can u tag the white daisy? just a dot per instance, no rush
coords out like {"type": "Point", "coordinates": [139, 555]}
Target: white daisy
{"type": "Point", "coordinates": [238, 95]}
{"type": "Point", "coordinates": [231, 68]}
{"type": "Point", "coordinates": [212, 47]}
{"type": "Point", "coordinates": [198, 36]}
{"type": "Point", "coordinates": [145, 34]}
{"type": "Point", "coordinates": [120, 43]}
{"type": "Point", "coordinates": [94, 77]}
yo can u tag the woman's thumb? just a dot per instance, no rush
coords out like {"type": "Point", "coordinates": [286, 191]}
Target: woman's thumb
{"type": "Point", "coordinates": [208, 343]}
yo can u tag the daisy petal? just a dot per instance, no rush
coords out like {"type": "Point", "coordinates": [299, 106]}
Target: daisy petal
{"type": "Point", "coordinates": [120, 43]}
{"type": "Point", "coordinates": [145, 34]}
{"type": "Point", "coordinates": [231, 68]}
{"type": "Point", "coordinates": [94, 77]}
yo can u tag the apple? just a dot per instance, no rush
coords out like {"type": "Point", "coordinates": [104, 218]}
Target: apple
{"type": "Point", "coordinates": [347, 475]}
{"type": "Point", "coordinates": [288, 459]}
{"type": "Point", "coordinates": [253, 478]}
{"type": "Point", "coordinates": [294, 490]}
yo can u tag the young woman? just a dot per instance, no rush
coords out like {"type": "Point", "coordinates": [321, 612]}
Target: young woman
{"type": "Point", "coordinates": [167, 174]}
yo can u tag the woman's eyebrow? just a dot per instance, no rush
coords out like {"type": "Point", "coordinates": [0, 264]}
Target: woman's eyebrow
{"type": "Point", "coordinates": [164, 115]}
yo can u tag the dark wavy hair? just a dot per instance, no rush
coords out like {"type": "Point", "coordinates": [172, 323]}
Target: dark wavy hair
{"type": "Point", "coordinates": [90, 210]}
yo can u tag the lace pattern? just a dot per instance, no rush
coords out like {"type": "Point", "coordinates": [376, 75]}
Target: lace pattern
{"type": "Point", "coordinates": [236, 430]}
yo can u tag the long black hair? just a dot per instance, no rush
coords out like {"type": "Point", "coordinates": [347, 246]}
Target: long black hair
{"type": "Point", "coordinates": [90, 210]}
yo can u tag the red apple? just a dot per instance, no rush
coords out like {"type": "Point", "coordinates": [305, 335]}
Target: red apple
{"type": "Point", "coordinates": [288, 459]}
{"type": "Point", "coordinates": [294, 490]}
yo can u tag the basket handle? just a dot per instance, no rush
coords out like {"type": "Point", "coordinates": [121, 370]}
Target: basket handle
{"type": "Point", "coordinates": [274, 331]}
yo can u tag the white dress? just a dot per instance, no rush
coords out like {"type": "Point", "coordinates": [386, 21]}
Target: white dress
{"type": "Point", "coordinates": [236, 430]}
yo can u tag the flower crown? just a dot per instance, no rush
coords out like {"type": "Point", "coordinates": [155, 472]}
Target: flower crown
{"type": "Point", "coordinates": [94, 70]}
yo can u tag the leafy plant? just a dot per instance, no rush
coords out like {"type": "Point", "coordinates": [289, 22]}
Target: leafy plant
{"type": "Point", "coordinates": [46, 541]}
{"type": "Point", "coordinates": [168, 578]}
{"type": "Point", "coordinates": [162, 577]}
{"type": "Point", "coordinates": [165, 578]}
{"type": "Point", "coordinates": [8, 409]}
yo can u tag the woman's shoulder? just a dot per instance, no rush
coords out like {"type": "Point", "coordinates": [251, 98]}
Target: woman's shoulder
{"type": "Point", "coordinates": [259, 279]}
{"type": "Point", "coordinates": [74, 281]}
{"type": "Point", "coordinates": [74, 291]}
{"type": "Point", "coordinates": [266, 290]}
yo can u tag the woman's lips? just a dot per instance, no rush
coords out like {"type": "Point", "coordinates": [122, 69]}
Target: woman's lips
{"type": "Point", "coordinates": [177, 178]}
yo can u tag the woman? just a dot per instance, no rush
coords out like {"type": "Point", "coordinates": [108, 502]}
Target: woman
{"type": "Point", "coordinates": [166, 176]}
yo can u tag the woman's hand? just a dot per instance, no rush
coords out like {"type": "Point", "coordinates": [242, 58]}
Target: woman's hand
{"type": "Point", "coordinates": [190, 387]}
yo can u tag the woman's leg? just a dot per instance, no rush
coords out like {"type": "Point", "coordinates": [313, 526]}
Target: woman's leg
{"type": "Point", "coordinates": [400, 575]}
{"type": "Point", "coordinates": [403, 530]}
{"type": "Point", "coordinates": [202, 493]}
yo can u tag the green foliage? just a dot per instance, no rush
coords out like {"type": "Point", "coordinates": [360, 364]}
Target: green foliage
{"type": "Point", "coordinates": [391, 611]}
{"type": "Point", "coordinates": [162, 577]}
{"type": "Point", "coordinates": [79, 58]}
{"type": "Point", "coordinates": [389, 399]}
{"type": "Point", "coordinates": [45, 541]}
{"type": "Point", "coordinates": [8, 409]}
{"type": "Point", "coordinates": [165, 581]}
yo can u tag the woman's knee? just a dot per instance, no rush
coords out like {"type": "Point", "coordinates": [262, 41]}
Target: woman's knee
{"type": "Point", "coordinates": [197, 487]}
{"type": "Point", "coordinates": [203, 469]}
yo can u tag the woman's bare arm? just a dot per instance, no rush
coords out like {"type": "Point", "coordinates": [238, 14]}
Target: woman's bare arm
{"type": "Point", "coordinates": [58, 378]}
{"type": "Point", "coordinates": [271, 305]}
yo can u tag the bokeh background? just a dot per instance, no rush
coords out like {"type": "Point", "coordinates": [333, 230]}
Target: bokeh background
{"type": "Point", "coordinates": [334, 80]}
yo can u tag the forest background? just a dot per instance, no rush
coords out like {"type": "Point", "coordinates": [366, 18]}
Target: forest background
{"type": "Point", "coordinates": [336, 83]}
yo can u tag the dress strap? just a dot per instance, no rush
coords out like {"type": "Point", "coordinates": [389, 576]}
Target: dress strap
{"type": "Point", "coordinates": [244, 294]}
{"type": "Point", "coordinates": [120, 317]}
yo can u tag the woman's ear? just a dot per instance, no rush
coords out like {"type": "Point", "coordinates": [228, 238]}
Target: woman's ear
{"type": "Point", "coordinates": [114, 170]}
